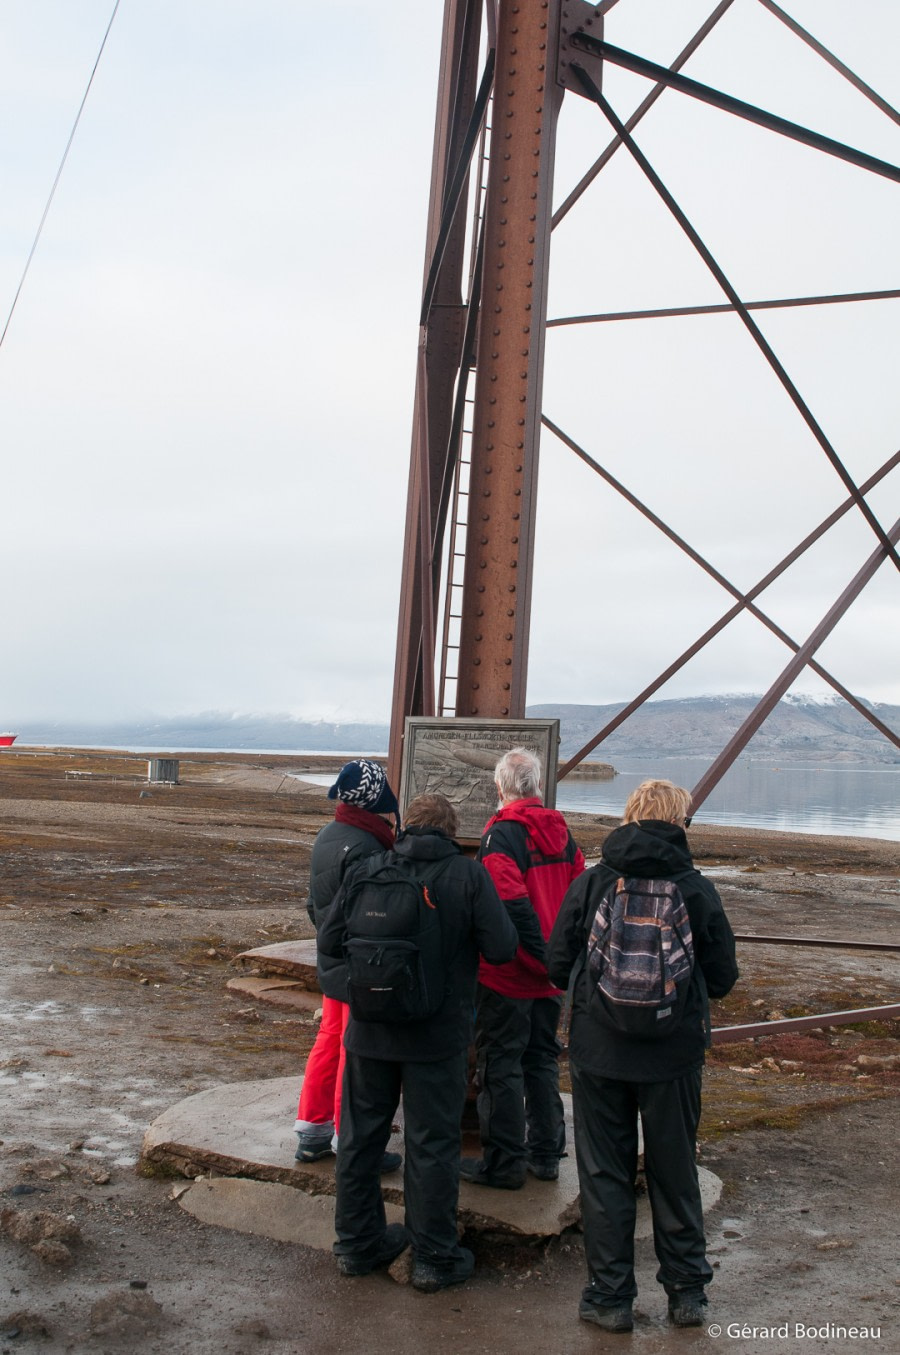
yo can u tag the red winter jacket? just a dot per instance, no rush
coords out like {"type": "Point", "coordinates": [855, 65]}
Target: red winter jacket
{"type": "Point", "coordinates": [532, 859]}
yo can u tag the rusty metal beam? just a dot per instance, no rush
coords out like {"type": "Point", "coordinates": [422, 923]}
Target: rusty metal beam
{"type": "Point", "coordinates": [891, 1012]}
{"type": "Point", "coordinates": [719, 578]}
{"type": "Point", "coordinates": [832, 60]}
{"type": "Point", "coordinates": [724, 308]}
{"type": "Point", "coordinates": [743, 736]}
{"type": "Point", "coordinates": [621, 716]}
{"type": "Point", "coordinates": [493, 653]}
{"type": "Point", "coordinates": [591, 91]}
{"type": "Point", "coordinates": [441, 342]}
{"type": "Point", "coordinates": [456, 186]}
{"type": "Point", "coordinates": [644, 107]}
{"type": "Point", "coordinates": [734, 1034]}
{"type": "Point", "coordinates": [816, 941]}
{"type": "Point", "coordinates": [639, 65]}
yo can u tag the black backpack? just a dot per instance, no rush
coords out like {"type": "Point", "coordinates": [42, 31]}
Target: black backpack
{"type": "Point", "coordinates": [395, 966]}
{"type": "Point", "coordinates": [640, 958]}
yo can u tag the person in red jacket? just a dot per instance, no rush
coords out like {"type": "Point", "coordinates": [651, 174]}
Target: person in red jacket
{"type": "Point", "coordinates": [532, 859]}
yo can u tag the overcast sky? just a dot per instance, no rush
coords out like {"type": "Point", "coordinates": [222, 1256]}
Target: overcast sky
{"type": "Point", "coordinates": [206, 387]}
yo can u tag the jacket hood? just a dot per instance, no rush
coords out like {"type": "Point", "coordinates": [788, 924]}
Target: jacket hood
{"type": "Point", "coordinates": [425, 844]}
{"type": "Point", "coordinates": [648, 849]}
{"type": "Point", "coordinates": [547, 827]}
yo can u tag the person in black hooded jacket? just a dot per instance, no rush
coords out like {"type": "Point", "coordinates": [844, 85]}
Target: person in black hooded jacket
{"type": "Point", "coordinates": [361, 826]}
{"type": "Point", "coordinates": [616, 1075]}
{"type": "Point", "coordinates": [425, 1059]}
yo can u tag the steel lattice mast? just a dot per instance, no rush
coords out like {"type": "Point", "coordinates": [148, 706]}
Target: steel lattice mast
{"type": "Point", "coordinates": [467, 572]}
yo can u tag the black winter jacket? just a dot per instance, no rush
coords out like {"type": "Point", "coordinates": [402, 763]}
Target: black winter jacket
{"type": "Point", "coordinates": [654, 850]}
{"type": "Point", "coordinates": [337, 847]}
{"type": "Point", "coordinates": [473, 922]}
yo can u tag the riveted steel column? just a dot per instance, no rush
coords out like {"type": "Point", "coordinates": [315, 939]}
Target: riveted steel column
{"type": "Point", "coordinates": [440, 346]}
{"type": "Point", "coordinates": [493, 657]}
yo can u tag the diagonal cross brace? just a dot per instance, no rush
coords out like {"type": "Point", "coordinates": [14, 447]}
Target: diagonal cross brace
{"type": "Point", "coordinates": [630, 61]}
{"type": "Point", "coordinates": [621, 716]}
{"type": "Point", "coordinates": [750, 324]}
{"type": "Point", "coordinates": [744, 600]}
{"type": "Point", "coordinates": [742, 737]}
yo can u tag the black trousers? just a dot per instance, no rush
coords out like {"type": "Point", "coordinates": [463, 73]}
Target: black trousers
{"type": "Point", "coordinates": [433, 1097]}
{"type": "Point", "coordinates": [520, 1111]}
{"type": "Point", "coordinates": [606, 1146]}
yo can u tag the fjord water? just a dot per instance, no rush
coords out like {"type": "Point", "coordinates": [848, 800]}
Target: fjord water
{"type": "Point", "coordinates": [845, 800]}
{"type": "Point", "coordinates": [840, 800]}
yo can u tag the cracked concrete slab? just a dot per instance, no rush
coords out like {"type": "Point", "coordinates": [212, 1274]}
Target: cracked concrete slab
{"type": "Point", "coordinates": [265, 1209]}
{"type": "Point", "coordinates": [287, 993]}
{"type": "Point", "coordinates": [296, 959]}
{"type": "Point", "coordinates": [245, 1130]}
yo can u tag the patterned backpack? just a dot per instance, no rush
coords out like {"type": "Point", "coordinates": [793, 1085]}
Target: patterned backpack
{"type": "Point", "coordinates": [640, 958]}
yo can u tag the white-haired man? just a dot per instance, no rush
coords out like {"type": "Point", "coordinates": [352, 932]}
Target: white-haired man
{"type": "Point", "coordinates": [532, 859]}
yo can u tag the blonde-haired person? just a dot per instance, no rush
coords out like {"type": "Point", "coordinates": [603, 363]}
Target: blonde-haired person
{"type": "Point", "coordinates": [616, 1076]}
{"type": "Point", "coordinates": [658, 800]}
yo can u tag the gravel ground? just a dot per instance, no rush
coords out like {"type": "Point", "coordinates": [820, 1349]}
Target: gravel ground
{"type": "Point", "coordinates": [121, 914]}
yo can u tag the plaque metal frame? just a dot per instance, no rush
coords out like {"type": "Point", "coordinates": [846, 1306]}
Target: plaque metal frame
{"type": "Point", "coordinates": [456, 757]}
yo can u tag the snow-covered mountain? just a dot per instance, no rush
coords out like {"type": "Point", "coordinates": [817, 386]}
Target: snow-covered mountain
{"type": "Point", "coordinates": [808, 728]}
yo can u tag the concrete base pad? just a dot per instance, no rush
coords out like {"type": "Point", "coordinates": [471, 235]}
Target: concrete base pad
{"type": "Point", "coordinates": [295, 959]}
{"type": "Point", "coordinates": [267, 1210]}
{"type": "Point", "coordinates": [245, 1130]}
{"type": "Point", "coordinates": [284, 993]}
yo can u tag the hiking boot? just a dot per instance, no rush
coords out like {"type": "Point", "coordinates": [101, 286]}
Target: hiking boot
{"type": "Point", "coordinates": [476, 1170]}
{"type": "Point", "coordinates": [396, 1239]}
{"type": "Point", "coordinates": [612, 1317]}
{"type": "Point", "coordinates": [687, 1308]}
{"type": "Point", "coordinates": [311, 1147]}
{"type": "Point", "coordinates": [390, 1162]}
{"type": "Point", "coordinates": [544, 1168]}
{"type": "Point", "coordinates": [428, 1278]}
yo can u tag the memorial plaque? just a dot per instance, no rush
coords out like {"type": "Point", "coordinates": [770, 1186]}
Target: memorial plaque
{"type": "Point", "coordinates": [456, 757]}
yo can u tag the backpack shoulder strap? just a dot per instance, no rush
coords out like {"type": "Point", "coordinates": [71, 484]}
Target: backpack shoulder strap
{"type": "Point", "coordinates": [580, 964]}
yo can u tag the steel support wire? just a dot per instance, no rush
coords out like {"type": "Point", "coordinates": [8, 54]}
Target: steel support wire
{"type": "Point", "coordinates": [644, 107]}
{"type": "Point", "coordinates": [742, 737]}
{"type": "Point", "coordinates": [62, 165]}
{"type": "Point", "coordinates": [744, 602]}
{"type": "Point", "coordinates": [833, 61]}
{"type": "Point", "coordinates": [753, 329]}
{"type": "Point", "coordinates": [621, 716]}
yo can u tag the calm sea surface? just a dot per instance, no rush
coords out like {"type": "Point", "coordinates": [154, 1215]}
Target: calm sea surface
{"type": "Point", "coordinates": [847, 801]}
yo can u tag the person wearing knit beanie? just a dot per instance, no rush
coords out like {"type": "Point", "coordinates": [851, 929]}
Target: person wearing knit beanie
{"type": "Point", "coordinates": [361, 827]}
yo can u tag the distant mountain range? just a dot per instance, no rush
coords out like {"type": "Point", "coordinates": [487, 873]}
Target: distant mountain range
{"type": "Point", "coordinates": [800, 728]}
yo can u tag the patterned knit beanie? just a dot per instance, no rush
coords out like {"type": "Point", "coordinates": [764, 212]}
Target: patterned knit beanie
{"type": "Point", "coordinates": [364, 784]}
